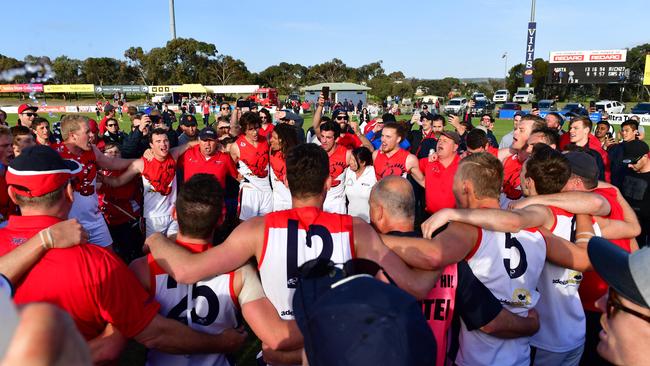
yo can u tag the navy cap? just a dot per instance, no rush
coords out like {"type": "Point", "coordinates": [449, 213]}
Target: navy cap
{"type": "Point", "coordinates": [188, 120]}
{"type": "Point", "coordinates": [208, 133]}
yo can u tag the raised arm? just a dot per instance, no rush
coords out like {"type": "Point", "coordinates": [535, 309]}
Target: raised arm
{"type": "Point", "coordinates": [180, 149]}
{"type": "Point", "coordinates": [575, 202]}
{"type": "Point", "coordinates": [110, 163]}
{"type": "Point", "coordinates": [189, 268]}
{"type": "Point", "coordinates": [315, 123]}
{"type": "Point", "coordinates": [15, 264]}
{"type": "Point", "coordinates": [491, 219]}
{"type": "Point", "coordinates": [135, 168]}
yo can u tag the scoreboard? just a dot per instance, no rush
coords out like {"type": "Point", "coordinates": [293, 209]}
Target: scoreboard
{"type": "Point", "coordinates": [587, 67]}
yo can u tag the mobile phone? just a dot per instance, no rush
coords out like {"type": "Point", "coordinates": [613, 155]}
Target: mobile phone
{"type": "Point", "coordinates": [535, 105]}
{"type": "Point", "coordinates": [609, 135]}
{"type": "Point", "coordinates": [326, 92]}
{"type": "Point", "coordinates": [243, 104]}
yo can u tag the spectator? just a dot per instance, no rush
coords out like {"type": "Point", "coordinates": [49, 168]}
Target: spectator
{"type": "Point", "coordinates": [168, 116]}
{"type": "Point", "coordinates": [267, 123]}
{"type": "Point", "coordinates": [41, 129]}
{"type": "Point", "coordinates": [555, 121]}
{"type": "Point", "coordinates": [189, 127]}
{"type": "Point", "coordinates": [487, 121]}
{"type": "Point", "coordinates": [137, 141]}
{"type": "Point", "coordinates": [360, 178]}
{"type": "Point", "coordinates": [629, 132]}
{"type": "Point", "coordinates": [636, 185]}
{"type": "Point", "coordinates": [22, 139]}
{"type": "Point", "coordinates": [506, 140]}
{"type": "Point", "coordinates": [626, 311]}
{"type": "Point", "coordinates": [3, 118]}
{"type": "Point", "coordinates": [26, 114]}
{"type": "Point", "coordinates": [113, 135]}
{"type": "Point", "coordinates": [109, 112]}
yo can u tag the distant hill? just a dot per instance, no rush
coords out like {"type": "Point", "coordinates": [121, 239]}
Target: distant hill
{"type": "Point", "coordinates": [479, 80]}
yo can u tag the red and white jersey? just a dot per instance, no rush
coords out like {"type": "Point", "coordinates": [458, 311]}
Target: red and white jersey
{"type": "Point", "coordinates": [254, 163]}
{"type": "Point", "coordinates": [208, 306]}
{"type": "Point", "coordinates": [159, 183]}
{"type": "Point", "coordinates": [561, 316]}
{"type": "Point", "coordinates": [335, 199]}
{"type": "Point", "coordinates": [293, 237]}
{"type": "Point", "coordinates": [391, 165]}
{"type": "Point", "coordinates": [509, 264]}
{"type": "Point", "coordinates": [281, 193]}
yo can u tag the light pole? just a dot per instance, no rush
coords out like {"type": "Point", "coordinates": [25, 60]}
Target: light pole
{"type": "Point", "coordinates": [505, 69]}
{"type": "Point", "coordinates": [172, 19]}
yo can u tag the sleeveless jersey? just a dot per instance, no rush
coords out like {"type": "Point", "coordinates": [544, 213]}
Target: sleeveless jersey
{"type": "Point", "coordinates": [561, 317]}
{"type": "Point", "coordinates": [85, 206]}
{"type": "Point", "coordinates": [157, 203]}
{"type": "Point", "coordinates": [509, 264]}
{"type": "Point", "coordinates": [393, 165]}
{"type": "Point", "coordinates": [511, 181]}
{"type": "Point", "coordinates": [293, 237]}
{"type": "Point", "coordinates": [335, 199]}
{"type": "Point", "coordinates": [253, 163]}
{"type": "Point", "coordinates": [208, 306]}
{"type": "Point", "coordinates": [281, 193]}
{"type": "Point", "coordinates": [438, 309]}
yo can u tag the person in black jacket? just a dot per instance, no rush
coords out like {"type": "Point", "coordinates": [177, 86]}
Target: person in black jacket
{"type": "Point", "coordinates": [113, 135]}
{"type": "Point", "coordinates": [135, 144]}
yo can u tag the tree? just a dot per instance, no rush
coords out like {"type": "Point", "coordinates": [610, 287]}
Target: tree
{"type": "Point", "coordinates": [369, 71]}
{"type": "Point", "coordinates": [515, 78]}
{"type": "Point", "coordinates": [331, 71]}
{"type": "Point", "coordinates": [100, 70]}
{"type": "Point", "coordinates": [382, 86]}
{"type": "Point", "coordinates": [227, 70]}
{"type": "Point", "coordinates": [66, 70]}
{"type": "Point", "coordinates": [285, 77]}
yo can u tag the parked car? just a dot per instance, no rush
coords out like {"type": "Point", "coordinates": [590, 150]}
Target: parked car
{"type": "Point", "coordinates": [641, 108]}
{"type": "Point", "coordinates": [478, 96]}
{"type": "Point", "coordinates": [510, 106]}
{"type": "Point", "coordinates": [501, 96]}
{"type": "Point", "coordinates": [547, 105]}
{"type": "Point", "coordinates": [456, 106]}
{"type": "Point", "coordinates": [482, 106]}
{"type": "Point", "coordinates": [573, 110]}
{"type": "Point", "coordinates": [610, 106]}
{"type": "Point", "coordinates": [524, 95]}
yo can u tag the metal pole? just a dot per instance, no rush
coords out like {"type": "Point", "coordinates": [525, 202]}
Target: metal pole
{"type": "Point", "coordinates": [532, 11]}
{"type": "Point", "coordinates": [505, 71]}
{"type": "Point", "coordinates": [172, 19]}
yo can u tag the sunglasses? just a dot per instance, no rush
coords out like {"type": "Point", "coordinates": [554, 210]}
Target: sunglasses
{"type": "Point", "coordinates": [30, 114]}
{"type": "Point", "coordinates": [111, 125]}
{"type": "Point", "coordinates": [343, 118]}
{"type": "Point", "coordinates": [224, 108]}
{"type": "Point", "coordinates": [632, 161]}
{"type": "Point", "coordinates": [614, 302]}
{"type": "Point", "coordinates": [224, 128]}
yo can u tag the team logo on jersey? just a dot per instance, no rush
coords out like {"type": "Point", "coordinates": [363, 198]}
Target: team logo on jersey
{"type": "Point", "coordinates": [336, 170]}
{"type": "Point", "coordinates": [520, 298]}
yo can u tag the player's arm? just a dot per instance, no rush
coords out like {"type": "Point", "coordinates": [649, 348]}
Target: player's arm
{"type": "Point", "coordinates": [574, 202]}
{"type": "Point", "coordinates": [140, 269]}
{"type": "Point", "coordinates": [110, 163]}
{"type": "Point", "coordinates": [315, 123]}
{"type": "Point", "coordinates": [450, 246]}
{"type": "Point", "coordinates": [136, 167]}
{"type": "Point", "coordinates": [261, 315]}
{"type": "Point", "coordinates": [491, 219]}
{"type": "Point", "coordinates": [189, 268]}
{"type": "Point", "coordinates": [564, 253]}
{"type": "Point", "coordinates": [509, 325]}
{"type": "Point", "coordinates": [234, 152]}
{"type": "Point", "coordinates": [627, 228]}
{"type": "Point", "coordinates": [15, 264]}
{"type": "Point", "coordinates": [364, 140]}
{"type": "Point", "coordinates": [172, 336]}
{"type": "Point", "coordinates": [177, 151]}
{"type": "Point", "coordinates": [369, 245]}
{"type": "Point", "coordinates": [413, 167]}
{"type": "Point", "coordinates": [107, 347]}
{"type": "Point", "coordinates": [272, 357]}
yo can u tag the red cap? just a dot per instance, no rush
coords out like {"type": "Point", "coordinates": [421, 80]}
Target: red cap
{"type": "Point", "coordinates": [92, 125]}
{"type": "Point", "coordinates": [24, 107]}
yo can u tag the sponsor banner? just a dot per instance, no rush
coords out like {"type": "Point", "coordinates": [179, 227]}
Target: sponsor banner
{"type": "Point", "coordinates": [155, 89]}
{"type": "Point", "coordinates": [121, 89]}
{"type": "Point", "coordinates": [69, 88]}
{"type": "Point", "coordinates": [564, 57]}
{"type": "Point", "coordinates": [21, 88]}
{"type": "Point", "coordinates": [646, 73]}
{"type": "Point", "coordinates": [530, 52]}
{"type": "Point", "coordinates": [619, 118]}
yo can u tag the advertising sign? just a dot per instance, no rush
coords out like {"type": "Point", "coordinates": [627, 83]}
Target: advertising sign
{"type": "Point", "coordinates": [69, 88]}
{"type": "Point", "coordinates": [21, 88]}
{"type": "Point", "coordinates": [161, 89]}
{"type": "Point", "coordinates": [646, 72]}
{"type": "Point", "coordinates": [587, 67]}
{"type": "Point", "coordinates": [99, 89]}
{"type": "Point", "coordinates": [530, 52]}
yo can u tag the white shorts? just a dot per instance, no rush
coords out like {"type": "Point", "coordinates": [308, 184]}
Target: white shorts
{"type": "Point", "coordinates": [569, 358]}
{"type": "Point", "coordinates": [165, 225]}
{"type": "Point", "coordinates": [253, 202]}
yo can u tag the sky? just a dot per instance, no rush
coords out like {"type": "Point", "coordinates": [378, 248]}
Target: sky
{"type": "Point", "coordinates": [423, 39]}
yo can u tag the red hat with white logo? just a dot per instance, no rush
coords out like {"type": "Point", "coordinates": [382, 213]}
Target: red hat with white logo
{"type": "Point", "coordinates": [23, 107]}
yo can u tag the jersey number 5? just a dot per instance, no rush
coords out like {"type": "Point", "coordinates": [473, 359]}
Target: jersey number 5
{"type": "Point", "coordinates": [292, 248]}
{"type": "Point", "coordinates": [523, 264]}
{"type": "Point", "coordinates": [178, 312]}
